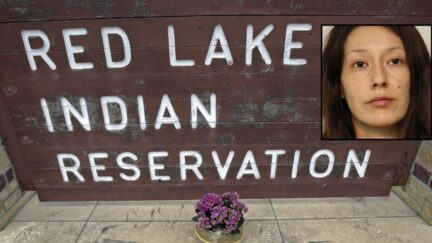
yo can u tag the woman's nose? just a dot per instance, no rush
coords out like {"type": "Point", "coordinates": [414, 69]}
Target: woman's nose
{"type": "Point", "coordinates": [379, 76]}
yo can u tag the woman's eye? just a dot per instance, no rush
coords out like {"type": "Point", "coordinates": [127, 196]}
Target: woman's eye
{"type": "Point", "coordinates": [359, 64]}
{"type": "Point", "coordinates": [396, 61]}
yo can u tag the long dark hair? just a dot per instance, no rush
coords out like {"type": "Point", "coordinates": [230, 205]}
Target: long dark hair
{"type": "Point", "coordinates": [336, 114]}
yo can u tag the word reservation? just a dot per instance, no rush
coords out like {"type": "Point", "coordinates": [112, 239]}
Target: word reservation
{"type": "Point", "coordinates": [70, 164]}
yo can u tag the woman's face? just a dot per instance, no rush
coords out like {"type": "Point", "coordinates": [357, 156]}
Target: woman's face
{"type": "Point", "coordinates": [375, 78]}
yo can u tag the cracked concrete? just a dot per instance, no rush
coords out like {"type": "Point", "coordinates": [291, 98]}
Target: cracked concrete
{"type": "Point", "coordinates": [378, 219]}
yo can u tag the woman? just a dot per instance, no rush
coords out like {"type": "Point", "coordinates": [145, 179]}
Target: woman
{"type": "Point", "coordinates": [376, 83]}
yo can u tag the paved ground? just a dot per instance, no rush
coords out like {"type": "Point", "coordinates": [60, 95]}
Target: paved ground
{"type": "Point", "coordinates": [269, 220]}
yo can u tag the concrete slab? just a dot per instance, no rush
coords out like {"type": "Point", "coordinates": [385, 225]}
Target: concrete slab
{"type": "Point", "coordinates": [144, 210]}
{"type": "Point", "coordinates": [54, 211]}
{"type": "Point", "coordinates": [258, 209]}
{"type": "Point", "coordinates": [138, 232]}
{"type": "Point", "coordinates": [261, 231]}
{"type": "Point", "coordinates": [167, 210]}
{"type": "Point", "coordinates": [10, 214]}
{"type": "Point", "coordinates": [383, 230]}
{"type": "Point", "coordinates": [32, 232]}
{"type": "Point", "coordinates": [303, 208]}
{"type": "Point", "coordinates": [301, 220]}
{"type": "Point", "coordinates": [407, 198]}
{"type": "Point", "coordinates": [178, 232]}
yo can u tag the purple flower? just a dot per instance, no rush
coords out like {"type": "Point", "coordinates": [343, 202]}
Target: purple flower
{"type": "Point", "coordinates": [208, 201]}
{"type": "Point", "coordinates": [205, 222]}
{"type": "Point", "coordinates": [231, 196]}
{"type": "Point", "coordinates": [220, 212]}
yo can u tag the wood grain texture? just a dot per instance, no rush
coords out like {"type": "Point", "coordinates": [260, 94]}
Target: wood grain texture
{"type": "Point", "coordinates": [41, 10]}
{"type": "Point", "coordinates": [9, 140]}
{"type": "Point", "coordinates": [27, 94]}
{"type": "Point", "coordinates": [228, 111]}
{"type": "Point", "coordinates": [52, 177]}
{"type": "Point", "coordinates": [259, 106]}
{"type": "Point", "coordinates": [223, 134]}
{"type": "Point", "coordinates": [46, 158]}
{"type": "Point", "coordinates": [313, 189]}
{"type": "Point", "coordinates": [189, 31]}
{"type": "Point", "coordinates": [155, 61]}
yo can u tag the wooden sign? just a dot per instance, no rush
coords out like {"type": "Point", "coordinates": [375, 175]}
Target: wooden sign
{"type": "Point", "coordinates": [161, 100]}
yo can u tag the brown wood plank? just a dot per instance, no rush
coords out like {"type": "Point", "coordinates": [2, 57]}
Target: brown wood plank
{"type": "Point", "coordinates": [145, 33]}
{"type": "Point", "coordinates": [28, 92]}
{"type": "Point", "coordinates": [10, 141]}
{"type": "Point", "coordinates": [223, 134]}
{"type": "Point", "coordinates": [388, 152]}
{"type": "Point", "coordinates": [315, 189]}
{"type": "Point", "coordinates": [374, 173]}
{"type": "Point", "coordinates": [152, 32]}
{"type": "Point", "coordinates": [410, 153]}
{"type": "Point", "coordinates": [259, 106]}
{"type": "Point", "coordinates": [154, 61]}
{"type": "Point", "coordinates": [228, 111]}
{"type": "Point", "coordinates": [40, 10]}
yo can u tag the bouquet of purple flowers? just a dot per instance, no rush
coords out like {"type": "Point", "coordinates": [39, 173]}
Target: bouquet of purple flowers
{"type": "Point", "coordinates": [218, 212]}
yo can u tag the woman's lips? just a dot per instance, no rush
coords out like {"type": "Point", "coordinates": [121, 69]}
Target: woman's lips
{"type": "Point", "coordinates": [380, 102]}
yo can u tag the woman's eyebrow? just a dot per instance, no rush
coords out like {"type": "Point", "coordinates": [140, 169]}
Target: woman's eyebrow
{"type": "Point", "coordinates": [395, 48]}
{"type": "Point", "coordinates": [390, 49]}
{"type": "Point", "coordinates": [357, 50]}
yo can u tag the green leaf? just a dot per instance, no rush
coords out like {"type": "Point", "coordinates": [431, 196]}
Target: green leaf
{"type": "Point", "coordinates": [196, 218]}
{"type": "Point", "coordinates": [218, 227]}
{"type": "Point", "coordinates": [240, 223]}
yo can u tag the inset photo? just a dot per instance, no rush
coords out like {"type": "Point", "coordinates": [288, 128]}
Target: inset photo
{"type": "Point", "coordinates": [376, 82]}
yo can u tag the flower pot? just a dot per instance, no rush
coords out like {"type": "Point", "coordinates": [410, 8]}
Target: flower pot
{"type": "Point", "coordinates": [209, 236]}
